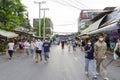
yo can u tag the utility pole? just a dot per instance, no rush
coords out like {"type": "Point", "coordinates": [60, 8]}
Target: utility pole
{"type": "Point", "coordinates": [27, 21]}
{"type": "Point", "coordinates": [44, 9]}
{"type": "Point", "coordinates": [42, 2]}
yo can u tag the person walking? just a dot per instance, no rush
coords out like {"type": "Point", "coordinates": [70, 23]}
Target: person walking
{"type": "Point", "coordinates": [27, 47]}
{"type": "Point", "coordinates": [69, 45]}
{"type": "Point", "coordinates": [82, 45]}
{"type": "Point", "coordinates": [46, 48]}
{"type": "Point", "coordinates": [39, 45]}
{"type": "Point", "coordinates": [117, 51]}
{"type": "Point", "coordinates": [10, 49]}
{"type": "Point", "coordinates": [89, 60]}
{"type": "Point", "coordinates": [32, 48]}
{"type": "Point", "coordinates": [74, 45]}
{"type": "Point", "coordinates": [100, 48]}
{"type": "Point", "coordinates": [21, 46]}
{"type": "Point", "coordinates": [62, 44]}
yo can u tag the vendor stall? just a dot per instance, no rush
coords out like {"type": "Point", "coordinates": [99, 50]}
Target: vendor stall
{"type": "Point", "coordinates": [23, 33]}
{"type": "Point", "coordinates": [5, 36]}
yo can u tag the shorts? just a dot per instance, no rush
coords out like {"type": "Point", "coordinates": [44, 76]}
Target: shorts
{"type": "Point", "coordinates": [38, 51]}
{"type": "Point", "coordinates": [10, 51]}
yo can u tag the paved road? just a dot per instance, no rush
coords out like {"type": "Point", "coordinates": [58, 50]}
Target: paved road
{"type": "Point", "coordinates": [62, 65]}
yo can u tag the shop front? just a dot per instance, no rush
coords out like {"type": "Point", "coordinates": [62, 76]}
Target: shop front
{"type": "Point", "coordinates": [111, 28]}
{"type": "Point", "coordinates": [113, 36]}
{"type": "Point", "coordinates": [5, 36]}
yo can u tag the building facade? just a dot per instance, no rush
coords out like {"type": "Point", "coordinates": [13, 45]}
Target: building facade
{"type": "Point", "coordinates": [85, 16]}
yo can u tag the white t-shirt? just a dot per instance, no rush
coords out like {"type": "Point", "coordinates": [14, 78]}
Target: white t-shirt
{"type": "Point", "coordinates": [11, 46]}
{"type": "Point", "coordinates": [27, 45]}
{"type": "Point", "coordinates": [32, 45]}
{"type": "Point", "coordinates": [39, 45]}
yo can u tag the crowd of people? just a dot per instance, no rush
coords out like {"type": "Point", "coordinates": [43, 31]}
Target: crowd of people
{"type": "Point", "coordinates": [34, 48]}
{"type": "Point", "coordinates": [94, 52]}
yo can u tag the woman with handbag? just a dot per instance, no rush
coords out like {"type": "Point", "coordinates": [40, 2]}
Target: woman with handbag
{"type": "Point", "coordinates": [117, 51]}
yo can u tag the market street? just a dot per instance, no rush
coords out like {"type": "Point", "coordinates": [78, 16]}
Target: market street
{"type": "Point", "coordinates": [62, 65]}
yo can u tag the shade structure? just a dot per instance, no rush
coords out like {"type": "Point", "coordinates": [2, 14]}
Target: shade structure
{"type": "Point", "coordinates": [113, 26]}
{"type": "Point", "coordinates": [7, 34]}
{"type": "Point", "coordinates": [93, 26]}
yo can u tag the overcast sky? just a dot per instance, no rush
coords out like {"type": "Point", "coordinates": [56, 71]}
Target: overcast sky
{"type": "Point", "coordinates": [65, 16]}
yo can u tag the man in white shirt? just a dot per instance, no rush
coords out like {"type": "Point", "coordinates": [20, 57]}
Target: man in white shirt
{"type": "Point", "coordinates": [39, 47]}
{"type": "Point", "coordinates": [27, 47]}
{"type": "Point", "coordinates": [10, 49]}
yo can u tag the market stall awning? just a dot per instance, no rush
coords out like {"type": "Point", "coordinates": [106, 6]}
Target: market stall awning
{"type": "Point", "coordinates": [93, 26]}
{"type": "Point", "coordinates": [113, 26]}
{"type": "Point", "coordinates": [7, 34]}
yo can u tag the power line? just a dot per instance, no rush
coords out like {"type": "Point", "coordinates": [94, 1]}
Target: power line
{"type": "Point", "coordinates": [71, 3]}
{"type": "Point", "coordinates": [78, 3]}
{"type": "Point", "coordinates": [68, 3]}
{"type": "Point", "coordinates": [65, 4]}
{"type": "Point", "coordinates": [81, 3]}
{"type": "Point", "coordinates": [85, 5]}
{"type": "Point", "coordinates": [65, 24]}
{"type": "Point", "coordinates": [75, 2]}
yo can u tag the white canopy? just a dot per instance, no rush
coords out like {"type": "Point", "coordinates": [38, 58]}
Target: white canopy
{"type": "Point", "coordinates": [93, 26]}
{"type": "Point", "coordinates": [7, 34]}
{"type": "Point", "coordinates": [113, 26]}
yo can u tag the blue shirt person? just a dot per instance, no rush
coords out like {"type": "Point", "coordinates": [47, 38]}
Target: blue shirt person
{"type": "Point", "coordinates": [46, 48]}
{"type": "Point", "coordinates": [89, 59]}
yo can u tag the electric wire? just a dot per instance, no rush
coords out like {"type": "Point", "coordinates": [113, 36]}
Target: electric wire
{"type": "Point", "coordinates": [82, 3]}
{"type": "Point", "coordinates": [66, 4]}
{"type": "Point", "coordinates": [71, 2]}
{"type": "Point", "coordinates": [65, 24]}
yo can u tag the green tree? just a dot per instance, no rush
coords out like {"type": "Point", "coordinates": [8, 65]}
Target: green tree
{"type": "Point", "coordinates": [86, 26]}
{"type": "Point", "coordinates": [47, 20]}
{"type": "Point", "coordinates": [11, 14]}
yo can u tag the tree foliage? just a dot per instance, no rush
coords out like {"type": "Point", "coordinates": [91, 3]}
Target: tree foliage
{"type": "Point", "coordinates": [86, 26]}
{"type": "Point", "coordinates": [11, 14]}
{"type": "Point", "coordinates": [47, 20]}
